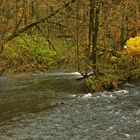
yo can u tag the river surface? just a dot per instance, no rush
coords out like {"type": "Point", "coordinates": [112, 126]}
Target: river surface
{"type": "Point", "coordinates": [55, 106]}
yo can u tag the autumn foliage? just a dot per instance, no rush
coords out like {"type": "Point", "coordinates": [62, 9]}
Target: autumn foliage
{"type": "Point", "coordinates": [133, 46]}
{"type": "Point", "coordinates": [131, 55]}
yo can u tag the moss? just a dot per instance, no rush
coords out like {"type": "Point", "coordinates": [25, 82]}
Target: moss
{"type": "Point", "coordinates": [111, 79]}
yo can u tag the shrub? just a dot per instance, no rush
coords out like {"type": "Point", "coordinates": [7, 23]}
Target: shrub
{"type": "Point", "coordinates": [133, 46]}
{"type": "Point", "coordinates": [130, 57]}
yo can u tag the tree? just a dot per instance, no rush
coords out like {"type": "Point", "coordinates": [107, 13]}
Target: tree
{"type": "Point", "coordinates": [94, 25]}
{"type": "Point", "coordinates": [42, 20]}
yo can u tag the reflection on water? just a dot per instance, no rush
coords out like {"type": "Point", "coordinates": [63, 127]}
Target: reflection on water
{"type": "Point", "coordinates": [106, 115]}
{"type": "Point", "coordinates": [36, 92]}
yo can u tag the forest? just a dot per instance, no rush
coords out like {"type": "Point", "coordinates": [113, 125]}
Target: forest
{"type": "Point", "coordinates": [69, 69]}
{"type": "Point", "coordinates": [98, 38]}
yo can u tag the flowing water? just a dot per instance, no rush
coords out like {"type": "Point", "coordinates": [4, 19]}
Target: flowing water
{"type": "Point", "coordinates": [55, 106]}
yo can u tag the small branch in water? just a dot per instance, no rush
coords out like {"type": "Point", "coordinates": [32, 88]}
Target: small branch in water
{"type": "Point", "coordinates": [84, 76]}
{"type": "Point", "coordinates": [87, 75]}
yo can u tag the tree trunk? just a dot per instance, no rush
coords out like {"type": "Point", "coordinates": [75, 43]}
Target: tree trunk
{"type": "Point", "coordinates": [94, 23]}
{"type": "Point", "coordinates": [124, 26]}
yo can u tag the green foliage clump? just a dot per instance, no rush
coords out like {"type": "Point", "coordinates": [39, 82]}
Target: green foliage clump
{"type": "Point", "coordinates": [135, 73]}
{"type": "Point", "coordinates": [109, 80]}
{"type": "Point", "coordinates": [39, 47]}
{"type": "Point", "coordinates": [100, 83]}
{"type": "Point", "coordinates": [28, 50]}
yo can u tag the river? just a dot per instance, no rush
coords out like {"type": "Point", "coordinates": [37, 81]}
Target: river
{"type": "Point", "coordinates": [55, 106]}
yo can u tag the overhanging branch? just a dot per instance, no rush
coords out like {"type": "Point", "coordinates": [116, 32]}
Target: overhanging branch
{"type": "Point", "coordinates": [19, 31]}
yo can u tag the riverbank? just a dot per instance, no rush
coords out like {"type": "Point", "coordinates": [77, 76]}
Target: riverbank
{"type": "Point", "coordinates": [108, 80]}
{"type": "Point", "coordinates": [111, 80]}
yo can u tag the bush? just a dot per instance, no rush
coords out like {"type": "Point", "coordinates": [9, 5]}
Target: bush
{"type": "Point", "coordinates": [130, 57]}
{"type": "Point", "coordinates": [133, 46]}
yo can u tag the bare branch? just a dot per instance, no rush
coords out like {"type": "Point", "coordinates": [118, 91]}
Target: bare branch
{"type": "Point", "coordinates": [19, 31]}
